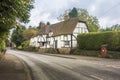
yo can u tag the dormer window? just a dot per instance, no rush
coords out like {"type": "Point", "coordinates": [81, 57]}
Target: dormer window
{"type": "Point", "coordinates": [50, 33]}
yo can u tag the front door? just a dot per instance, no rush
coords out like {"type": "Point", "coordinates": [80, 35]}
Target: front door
{"type": "Point", "coordinates": [55, 43]}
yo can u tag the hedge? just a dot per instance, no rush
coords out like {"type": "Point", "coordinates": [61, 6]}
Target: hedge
{"type": "Point", "coordinates": [96, 53]}
{"type": "Point", "coordinates": [94, 41]}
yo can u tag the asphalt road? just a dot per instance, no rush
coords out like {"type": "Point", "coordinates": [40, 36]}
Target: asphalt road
{"type": "Point", "coordinates": [44, 67]}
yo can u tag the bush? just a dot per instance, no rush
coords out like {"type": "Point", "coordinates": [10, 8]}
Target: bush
{"type": "Point", "coordinates": [25, 45]}
{"type": "Point", "coordinates": [2, 44]}
{"type": "Point", "coordinates": [96, 53]}
{"type": "Point", "coordinates": [86, 52]}
{"type": "Point", "coordinates": [19, 47]}
{"type": "Point", "coordinates": [113, 54]}
{"type": "Point", "coordinates": [94, 41]}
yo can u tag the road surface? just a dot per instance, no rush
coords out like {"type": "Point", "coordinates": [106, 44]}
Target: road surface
{"type": "Point", "coordinates": [45, 67]}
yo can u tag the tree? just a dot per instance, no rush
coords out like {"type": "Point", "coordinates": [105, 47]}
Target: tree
{"type": "Point", "coordinates": [115, 27]}
{"type": "Point", "coordinates": [92, 22]}
{"type": "Point", "coordinates": [82, 14]}
{"type": "Point", "coordinates": [48, 23]}
{"type": "Point", "coordinates": [39, 26]}
{"type": "Point", "coordinates": [73, 13]}
{"type": "Point", "coordinates": [28, 33]}
{"type": "Point", "coordinates": [21, 35]}
{"type": "Point", "coordinates": [17, 35]}
{"type": "Point", "coordinates": [11, 13]}
{"type": "Point", "coordinates": [105, 29]}
{"type": "Point", "coordinates": [2, 45]}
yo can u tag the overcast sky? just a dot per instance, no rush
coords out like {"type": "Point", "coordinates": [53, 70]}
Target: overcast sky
{"type": "Point", "coordinates": [107, 11]}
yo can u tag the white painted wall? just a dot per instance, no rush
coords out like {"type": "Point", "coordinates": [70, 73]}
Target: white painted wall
{"type": "Point", "coordinates": [31, 42]}
{"type": "Point", "coordinates": [80, 28]}
{"type": "Point", "coordinates": [60, 41]}
{"type": "Point", "coordinates": [51, 40]}
{"type": "Point", "coordinates": [34, 42]}
{"type": "Point", "coordinates": [41, 39]}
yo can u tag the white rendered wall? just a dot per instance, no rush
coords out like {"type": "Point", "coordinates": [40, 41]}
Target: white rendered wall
{"type": "Point", "coordinates": [80, 28]}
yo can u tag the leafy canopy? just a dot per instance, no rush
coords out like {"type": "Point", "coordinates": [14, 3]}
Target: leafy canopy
{"type": "Point", "coordinates": [12, 12]}
{"type": "Point", "coordinates": [17, 35]}
{"type": "Point", "coordinates": [30, 32]}
{"type": "Point", "coordinates": [92, 22]}
{"type": "Point", "coordinates": [115, 27]}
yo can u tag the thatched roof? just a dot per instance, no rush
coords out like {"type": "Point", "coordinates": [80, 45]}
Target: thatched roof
{"type": "Point", "coordinates": [62, 28]}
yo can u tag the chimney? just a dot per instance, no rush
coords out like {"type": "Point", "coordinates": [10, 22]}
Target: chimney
{"type": "Point", "coordinates": [42, 24]}
{"type": "Point", "coordinates": [66, 17]}
{"type": "Point", "coordinates": [43, 27]}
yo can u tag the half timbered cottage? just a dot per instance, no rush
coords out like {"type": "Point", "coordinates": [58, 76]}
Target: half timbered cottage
{"type": "Point", "coordinates": [61, 35]}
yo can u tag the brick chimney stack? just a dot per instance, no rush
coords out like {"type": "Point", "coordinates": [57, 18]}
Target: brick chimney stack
{"type": "Point", "coordinates": [66, 17]}
{"type": "Point", "coordinates": [43, 27]}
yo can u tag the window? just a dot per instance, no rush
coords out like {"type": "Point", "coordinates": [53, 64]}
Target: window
{"type": "Point", "coordinates": [65, 37]}
{"type": "Point", "coordinates": [51, 33]}
{"type": "Point", "coordinates": [48, 42]}
{"type": "Point", "coordinates": [66, 43]}
{"type": "Point", "coordinates": [42, 44]}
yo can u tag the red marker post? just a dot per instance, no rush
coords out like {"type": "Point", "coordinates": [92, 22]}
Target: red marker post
{"type": "Point", "coordinates": [103, 51]}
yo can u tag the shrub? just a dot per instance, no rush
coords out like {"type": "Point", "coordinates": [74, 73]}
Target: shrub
{"type": "Point", "coordinates": [96, 53]}
{"type": "Point", "coordinates": [25, 45]}
{"type": "Point", "coordinates": [19, 47]}
{"type": "Point", "coordinates": [113, 54]}
{"type": "Point", "coordinates": [2, 44]}
{"type": "Point", "coordinates": [86, 52]}
{"type": "Point", "coordinates": [94, 41]}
